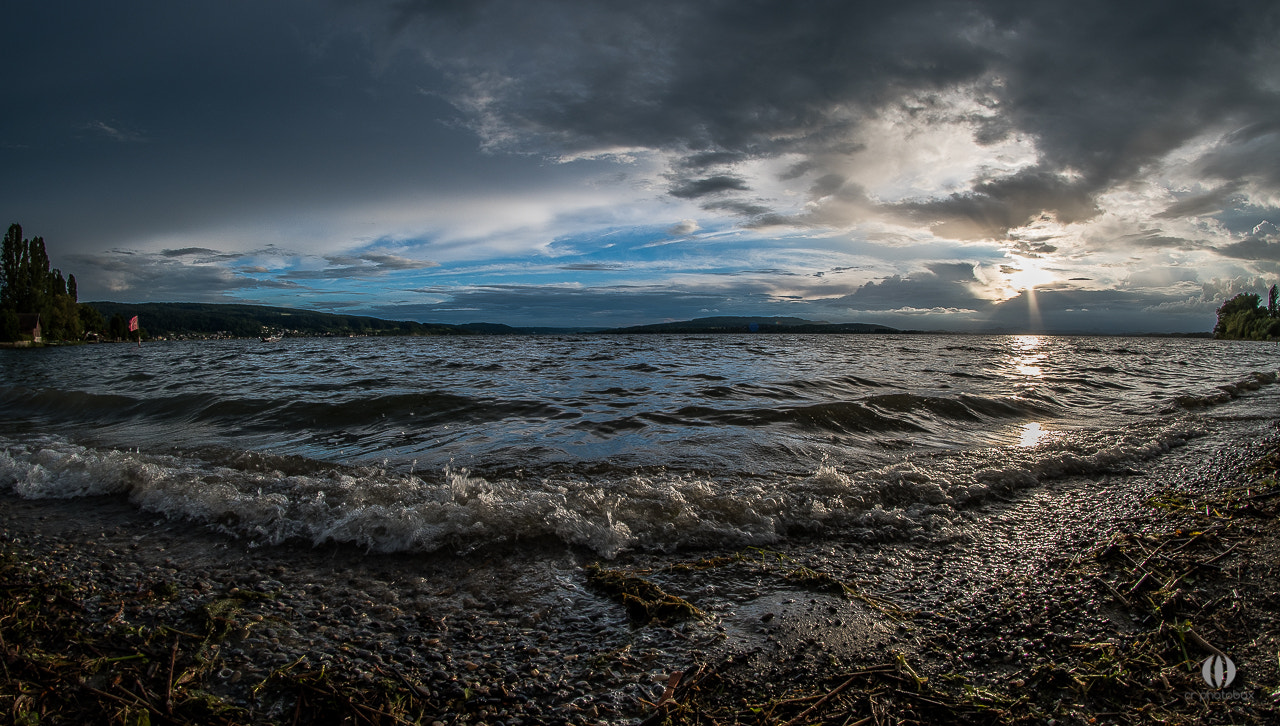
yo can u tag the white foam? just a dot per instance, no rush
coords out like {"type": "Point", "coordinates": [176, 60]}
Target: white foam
{"type": "Point", "coordinates": [386, 511]}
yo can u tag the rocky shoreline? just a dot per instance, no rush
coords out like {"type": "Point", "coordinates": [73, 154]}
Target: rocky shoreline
{"type": "Point", "coordinates": [1082, 601]}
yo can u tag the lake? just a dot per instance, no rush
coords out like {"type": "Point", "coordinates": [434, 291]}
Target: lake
{"type": "Point", "coordinates": [612, 443]}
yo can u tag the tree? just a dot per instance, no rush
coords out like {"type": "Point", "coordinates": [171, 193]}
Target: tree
{"type": "Point", "coordinates": [11, 260]}
{"type": "Point", "coordinates": [1271, 303]}
{"type": "Point", "coordinates": [9, 329]}
{"type": "Point", "coordinates": [117, 329]}
{"type": "Point", "coordinates": [27, 285]}
{"type": "Point", "coordinates": [1241, 318]}
{"type": "Point", "coordinates": [91, 321]}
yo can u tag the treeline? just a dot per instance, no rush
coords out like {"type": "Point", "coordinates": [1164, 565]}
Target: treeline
{"type": "Point", "coordinates": [741, 324]}
{"type": "Point", "coordinates": [1243, 317]}
{"type": "Point", "coordinates": [168, 320]}
{"type": "Point", "coordinates": [28, 287]}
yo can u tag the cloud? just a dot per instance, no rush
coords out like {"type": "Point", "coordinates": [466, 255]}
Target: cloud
{"type": "Point", "coordinates": [202, 254]}
{"type": "Point", "coordinates": [363, 266]}
{"type": "Point", "coordinates": [1253, 248]}
{"type": "Point", "coordinates": [1100, 92]}
{"type": "Point", "coordinates": [1160, 277]}
{"type": "Point", "coordinates": [1030, 248]}
{"type": "Point", "coordinates": [1203, 203]}
{"type": "Point", "coordinates": [131, 276]}
{"type": "Point", "coordinates": [1155, 239]}
{"type": "Point", "coordinates": [731, 155]}
{"type": "Point", "coordinates": [943, 285]}
{"type": "Point", "coordinates": [563, 305]}
{"type": "Point", "coordinates": [116, 132]}
{"type": "Point", "coordinates": [684, 228]}
{"type": "Point", "coordinates": [995, 206]}
{"type": "Point", "coordinates": [592, 267]}
{"type": "Point", "coordinates": [710, 185]}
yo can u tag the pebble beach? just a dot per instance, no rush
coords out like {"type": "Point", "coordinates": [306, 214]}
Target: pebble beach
{"type": "Point", "coordinates": [1014, 601]}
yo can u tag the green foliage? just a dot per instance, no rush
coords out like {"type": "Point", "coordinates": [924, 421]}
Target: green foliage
{"type": "Point", "coordinates": [1243, 318]}
{"type": "Point", "coordinates": [117, 329]}
{"type": "Point", "coordinates": [90, 319]}
{"type": "Point", "coordinates": [28, 286]}
{"type": "Point", "coordinates": [9, 329]}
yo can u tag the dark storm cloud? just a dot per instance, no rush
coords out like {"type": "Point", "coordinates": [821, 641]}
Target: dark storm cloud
{"type": "Point", "coordinates": [706, 77]}
{"type": "Point", "coordinates": [1261, 245]}
{"type": "Point", "coordinates": [202, 251]}
{"type": "Point", "coordinates": [943, 285]}
{"type": "Point", "coordinates": [738, 207]}
{"type": "Point", "coordinates": [1253, 248]}
{"type": "Point", "coordinates": [826, 185]}
{"type": "Point", "coordinates": [153, 120]}
{"type": "Point", "coordinates": [994, 206]}
{"type": "Point", "coordinates": [712, 158]}
{"type": "Point", "coordinates": [1206, 203]}
{"type": "Point", "coordinates": [694, 188]}
{"type": "Point", "coordinates": [1032, 248]}
{"type": "Point", "coordinates": [1155, 238]}
{"type": "Point", "coordinates": [1253, 156]}
{"type": "Point", "coordinates": [202, 254]}
{"type": "Point", "coordinates": [1104, 89]}
{"type": "Point", "coordinates": [320, 126]}
{"type": "Point", "coordinates": [129, 276]}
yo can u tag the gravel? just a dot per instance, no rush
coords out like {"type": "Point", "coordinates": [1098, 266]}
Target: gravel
{"type": "Point", "coordinates": [519, 636]}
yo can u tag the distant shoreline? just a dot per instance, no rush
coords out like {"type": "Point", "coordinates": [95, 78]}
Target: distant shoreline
{"type": "Point", "coordinates": [206, 321]}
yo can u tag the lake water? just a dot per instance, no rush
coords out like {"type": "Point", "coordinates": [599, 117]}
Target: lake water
{"type": "Point", "coordinates": [612, 443]}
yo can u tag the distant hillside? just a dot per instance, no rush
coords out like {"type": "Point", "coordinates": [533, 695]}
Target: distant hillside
{"type": "Point", "coordinates": [248, 321]}
{"type": "Point", "coordinates": [735, 324]}
{"type": "Point", "coordinates": [199, 320]}
{"type": "Point", "coordinates": [501, 329]}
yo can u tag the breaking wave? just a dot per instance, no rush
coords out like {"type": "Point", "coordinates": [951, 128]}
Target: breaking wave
{"type": "Point", "coordinates": [611, 444]}
{"type": "Point", "coordinates": [272, 500]}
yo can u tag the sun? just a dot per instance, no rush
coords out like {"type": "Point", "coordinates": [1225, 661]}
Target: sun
{"type": "Point", "coordinates": [1030, 276]}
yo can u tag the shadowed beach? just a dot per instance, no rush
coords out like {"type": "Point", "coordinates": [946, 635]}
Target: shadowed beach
{"type": "Point", "coordinates": [1088, 598]}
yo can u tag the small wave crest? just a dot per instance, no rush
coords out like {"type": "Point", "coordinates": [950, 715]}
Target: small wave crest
{"type": "Point", "coordinates": [885, 413]}
{"type": "Point", "coordinates": [241, 412]}
{"type": "Point", "coordinates": [1224, 393]}
{"type": "Point", "coordinates": [271, 500]}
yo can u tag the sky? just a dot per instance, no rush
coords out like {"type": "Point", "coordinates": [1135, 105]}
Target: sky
{"type": "Point", "coordinates": [938, 165]}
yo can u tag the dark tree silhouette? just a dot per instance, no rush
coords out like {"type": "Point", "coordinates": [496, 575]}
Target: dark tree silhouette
{"type": "Point", "coordinates": [28, 286]}
{"type": "Point", "coordinates": [1241, 318]}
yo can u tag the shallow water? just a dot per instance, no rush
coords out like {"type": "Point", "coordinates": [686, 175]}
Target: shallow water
{"type": "Point", "coordinates": [612, 443]}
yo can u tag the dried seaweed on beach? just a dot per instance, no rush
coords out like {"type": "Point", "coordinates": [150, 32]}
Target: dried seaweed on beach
{"type": "Point", "coordinates": [645, 602]}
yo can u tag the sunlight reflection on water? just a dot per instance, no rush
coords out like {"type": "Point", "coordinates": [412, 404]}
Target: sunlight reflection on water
{"type": "Point", "coordinates": [1028, 358]}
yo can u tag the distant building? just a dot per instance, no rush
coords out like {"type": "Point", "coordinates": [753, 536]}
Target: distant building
{"type": "Point", "coordinates": [29, 324]}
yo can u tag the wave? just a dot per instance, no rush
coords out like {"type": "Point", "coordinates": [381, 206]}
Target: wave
{"type": "Point", "coordinates": [884, 413]}
{"type": "Point", "coordinates": [271, 500]}
{"type": "Point", "coordinates": [1224, 393]}
{"type": "Point", "coordinates": [268, 414]}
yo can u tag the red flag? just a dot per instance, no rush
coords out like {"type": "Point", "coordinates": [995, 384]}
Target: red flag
{"type": "Point", "coordinates": [133, 323]}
